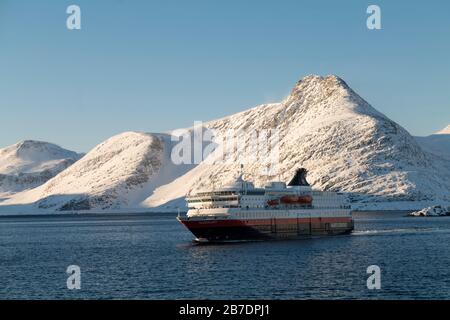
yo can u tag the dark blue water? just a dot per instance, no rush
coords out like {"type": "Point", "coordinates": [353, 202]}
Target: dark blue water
{"type": "Point", "coordinates": [152, 257]}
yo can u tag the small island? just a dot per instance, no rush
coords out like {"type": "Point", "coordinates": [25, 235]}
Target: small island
{"type": "Point", "coordinates": [434, 211]}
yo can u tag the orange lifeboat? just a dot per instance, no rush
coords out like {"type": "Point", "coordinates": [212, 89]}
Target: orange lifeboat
{"type": "Point", "coordinates": [273, 202]}
{"type": "Point", "coordinates": [291, 199]}
{"type": "Point", "coordinates": [305, 199]}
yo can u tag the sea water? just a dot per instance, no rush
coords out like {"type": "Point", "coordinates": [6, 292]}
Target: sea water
{"type": "Point", "coordinates": [152, 256]}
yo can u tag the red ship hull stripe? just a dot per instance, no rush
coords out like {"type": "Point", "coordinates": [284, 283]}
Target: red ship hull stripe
{"type": "Point", "coordinates": [261, 222]}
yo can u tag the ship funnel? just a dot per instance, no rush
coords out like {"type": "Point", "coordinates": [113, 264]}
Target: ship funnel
{"type": "Point", "coordinates": [300, 178]}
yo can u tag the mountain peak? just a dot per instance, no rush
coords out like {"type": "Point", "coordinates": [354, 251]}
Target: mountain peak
{"type": "Point", "coordinates": [446, 130]}
{"type": "Point", "coordinates": [320, 87]}
{"type": "Point", "coordinates": [33, 150]}
{"type": "Point", "coordinates": [26, 144]}
{"type": "Point", "coordinates": [328, 95]}
{"type": "Point", "coordinates": [327, 81]}
{"type": "Point", "coordinates": [30, 163]}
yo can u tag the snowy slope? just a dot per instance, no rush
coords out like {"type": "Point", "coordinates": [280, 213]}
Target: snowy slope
{"type": "Point", "coordinates": [345, 144]}
{"type": "Point", "coordinates": [446, 130]}
{"type": "Point", "coordinates": [323, 125]}
{"type": "Point", "coordinates": [438, 143]}
{"type": "Point", "coordinates": [115, 174]}
{"type": "Point", "coordinates": [28, 164]}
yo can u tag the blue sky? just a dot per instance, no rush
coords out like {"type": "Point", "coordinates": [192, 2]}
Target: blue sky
{"type": "Point", "coordinates": [159, 65]}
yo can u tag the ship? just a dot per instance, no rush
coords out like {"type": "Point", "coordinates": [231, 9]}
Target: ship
{"type": "Point", "coordinates": [242, 212]}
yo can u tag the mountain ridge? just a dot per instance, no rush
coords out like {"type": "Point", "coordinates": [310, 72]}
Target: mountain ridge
{"type": "Point", "coordinates": [29, 163]}
{"type": "Point", "coordinates": [323, 125]}
{"type": "Point", "coordinates": [446, 130]}
{"type": "Point", "coordinates": [312, 104]}
{"type": "Point", "coordinates": [437, 143]}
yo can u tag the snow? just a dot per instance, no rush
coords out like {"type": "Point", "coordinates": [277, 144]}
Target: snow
{"type": "Point", "coordinates": [117, 174]}
{"type": "Point", "coordinates": [28, 164]}
{"type": "Point", "coordinates": [323, 125]}
{"type": "Point", "coordinates": [103, 177]}
{"type": "Point", "coordinates": [437, 144]}
{"type": "Point", "coordinates": [345, 144]}
{"type": "Point", "coordinates": [446, 130]}
{"type": "Point", "coordinates": [433, 211]}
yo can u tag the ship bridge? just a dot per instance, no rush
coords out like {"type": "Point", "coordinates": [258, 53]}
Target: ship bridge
{"type": "Point", "coordinates": [243, 194]}
{"type": "Point", "coordinates": [230, 196]}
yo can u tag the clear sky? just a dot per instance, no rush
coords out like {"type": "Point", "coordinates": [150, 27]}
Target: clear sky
{"type": "Point", "coordinates": [159, 65]}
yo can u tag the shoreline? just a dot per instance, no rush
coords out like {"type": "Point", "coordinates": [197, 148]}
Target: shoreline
{"type": "Point", "coordinates": [99, 214]}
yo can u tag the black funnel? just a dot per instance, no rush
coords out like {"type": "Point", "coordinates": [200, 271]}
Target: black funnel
{"type": "Point", "coordinates": [300, 178]}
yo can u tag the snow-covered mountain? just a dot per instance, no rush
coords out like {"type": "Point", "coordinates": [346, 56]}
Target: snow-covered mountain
{"type": "Point", "coordinates": [437, 143]}
{"type": "Point", "coordinates": [28, 164]}
{"type": "Point", "coordinates": [344, 143]}
{"type": "Point", "coordinates": [446, 130]}
{"type": "Point", "coordinates": [117, 173]}
{"type": "Point", "coordinates": [323, 125]}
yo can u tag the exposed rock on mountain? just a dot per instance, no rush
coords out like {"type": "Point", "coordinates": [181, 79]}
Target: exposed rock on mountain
{"type": "Point", "coordinates": [28, 164]}
{"type": "Point", "coordinates": [115, 174]}
{"type": "Point", "coordinates": [345, 143]}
